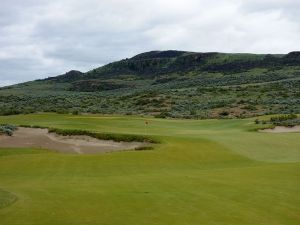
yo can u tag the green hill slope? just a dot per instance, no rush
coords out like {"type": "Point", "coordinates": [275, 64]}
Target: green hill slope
{"type": "Point", "coordinates": [169, 83]}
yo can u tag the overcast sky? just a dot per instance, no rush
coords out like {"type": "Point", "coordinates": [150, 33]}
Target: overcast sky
{"type": "Point", "coordinates": [41, 38]}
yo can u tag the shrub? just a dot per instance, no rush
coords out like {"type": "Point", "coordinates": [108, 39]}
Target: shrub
{"type": "Point", "coordinates": [283, 118]}
{"type": "Point", "coordinates": [7, 129]}
{"type": "Point", "coordinates": [224, 113]}
{"type": "Point", "coordinates": [288, 123]}
{"type": "Point", "coordinates": [162, 115]}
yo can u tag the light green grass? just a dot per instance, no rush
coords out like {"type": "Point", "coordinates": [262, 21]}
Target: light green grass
{"type": "Point", "coordinates": [205, 172]}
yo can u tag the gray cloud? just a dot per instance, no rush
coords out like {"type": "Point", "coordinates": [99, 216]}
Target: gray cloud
{"type": "Point", "coordinates": [40, 38]}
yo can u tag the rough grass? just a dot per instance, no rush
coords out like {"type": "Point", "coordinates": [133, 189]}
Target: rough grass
{"type": "Point", "coordinates": [6, 198]}
{"type": "Point", "coordinates": [211, 172]}
{"type": "Point", "coordinates": [101, 136]}
{"type": "Point", "coordinates": [106, 136]}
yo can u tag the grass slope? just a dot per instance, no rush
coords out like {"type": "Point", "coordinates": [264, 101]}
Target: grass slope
{"type": "Point", "coordinates": [204, 172]}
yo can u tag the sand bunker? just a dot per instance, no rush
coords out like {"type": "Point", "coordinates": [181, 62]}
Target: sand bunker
{"type": "Point", "coordinates": [280, 129]}
{"type": "Point", "coordinates": [40, 138]}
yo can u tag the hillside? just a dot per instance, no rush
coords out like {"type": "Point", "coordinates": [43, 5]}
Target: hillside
{"type": "Point", "coordinates": [168, 84]}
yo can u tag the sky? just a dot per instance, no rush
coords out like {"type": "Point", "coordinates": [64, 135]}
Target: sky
{"type": "Point", "coordinates": [42, 38]}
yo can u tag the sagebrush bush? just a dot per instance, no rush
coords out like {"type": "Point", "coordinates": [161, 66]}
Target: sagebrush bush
{"type": "Point", "coordinates": [7, 129]}
{"type": "Point", "coordinates": [290, 120]}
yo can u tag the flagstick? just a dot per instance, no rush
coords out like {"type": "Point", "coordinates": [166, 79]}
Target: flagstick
{"type": "Point", "coordinates": [146, 124]}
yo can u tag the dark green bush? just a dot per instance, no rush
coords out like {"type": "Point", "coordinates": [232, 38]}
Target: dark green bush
{"type": "Point", "coordinates": [7, 129]}
{"type": "Point", "coordinates": [162, 115]}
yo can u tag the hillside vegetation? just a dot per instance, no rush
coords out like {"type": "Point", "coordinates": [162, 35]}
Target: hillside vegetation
{"type": "Point", "coordinates": [168, 84]}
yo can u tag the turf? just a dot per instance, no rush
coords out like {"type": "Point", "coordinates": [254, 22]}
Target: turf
{"type": "Point", "coordinates": [6, 198]}
{"type": "Point", "coordinates": [204, 172]}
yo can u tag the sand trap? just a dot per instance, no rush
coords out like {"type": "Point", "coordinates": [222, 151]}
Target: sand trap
{"type": "Point", "coordinates": [40, 138]}
{"type": "Point", "coordinates": [281, 129]}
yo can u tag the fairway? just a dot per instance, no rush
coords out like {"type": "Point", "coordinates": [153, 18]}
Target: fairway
{"type": "Point", "coordinates": [204, 172]}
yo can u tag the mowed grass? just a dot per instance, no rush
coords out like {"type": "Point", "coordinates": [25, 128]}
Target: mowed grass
{"type": "Point", "coordinates": [204, 172]}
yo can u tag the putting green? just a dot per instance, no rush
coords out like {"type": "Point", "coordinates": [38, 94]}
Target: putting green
{"type": "Point", "coordinates": [204, 172]}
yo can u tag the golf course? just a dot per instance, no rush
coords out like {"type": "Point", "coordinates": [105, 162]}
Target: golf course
{"type": "Point", "coordinates": [203, 172]}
